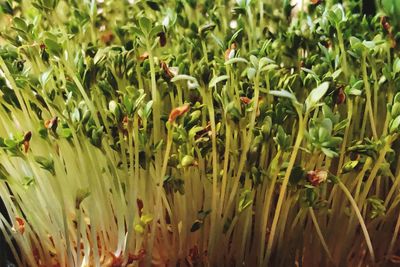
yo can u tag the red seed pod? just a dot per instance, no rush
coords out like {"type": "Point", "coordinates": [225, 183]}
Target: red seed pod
{"type": "Point", "coordinates": [230, 52]}
{"type": "Point", "coordinates": [245, 100]}
{"type": "Point", "coordinates": [107, 37]}
{"type": "Point", "coordinates": [176, 112]}
{"type": "Point", "coordinates": [327, 44]}
{"type": "Point", "coordinates": [137, 257]}
{"type": "Point", "coordinates": [116, 260]}
{"type": "Point", "coordinates": [163, 38]}
{"type": "Point", "coordinates": [20, 225]}
{"type": "Point", "coordinates": [28, 136]}
{"type": "Point", "coordinates": [166, 69]}
{"type": "Point", "coordinates": [139, 204]}
{"type": "Point", "coordinates": [317, 177]}
{"type": "Point", "coordinates": [341, 96]}
{"type": "Point", "coordinates": [144, 56]}
{"type": "Point", "coordinates": [26, 146]}
{"type": "Point", "coordinates": [51, 124]}
{"type": "Point", "coordinates": [385, 24]}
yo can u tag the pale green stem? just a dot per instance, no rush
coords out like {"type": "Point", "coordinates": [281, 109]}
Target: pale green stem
{"type": "Point", "coordinates": [319, 233]}
{"type": "Point", "coordinates": [343, 52]}
{"type": "Point", "coordinates": [360, 219]}
{"type": "Point", "coordinates": [285, 182]}
{"type": "Point", "coordinates": [368, 96]}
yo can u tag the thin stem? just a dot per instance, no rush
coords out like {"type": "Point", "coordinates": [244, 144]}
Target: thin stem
{"type": "Point", "coordinates": [319, 233]}
{"type": "Point", "coordinates": [246, 147]}
{"type": "Point", "coordinates": [394, 237]}
{"type": "Point", "coordinates": [267, 203]}
{"type": "Point", "coordinates": [215, 171]}
{"type": "Point", "coordinates": [360, 219]}
{"type": "Point", "coordinates": [346, 135]}
{"type": "Point", "coordinates": [368, 96]}
{"type": "Point", "coordinates": [343, 52]}
{"type": "Point", "coordinates": [285, 182]}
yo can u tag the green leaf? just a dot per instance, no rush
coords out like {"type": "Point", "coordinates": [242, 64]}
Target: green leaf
{"type": "Point", "coordinates": [128, 104]}
{"type": "Point", "coordinates": [254, 61]}
{"type": "Point", "coordinates": [394, 126]}
{"type": "Point", "coordinates": [194, 131]}
{"type": "Point", "coordinates": [139, 228]}
{"type": "Point", "coordinates": [10, 143]}
{"type": "Point", "coordinates": [233, 112]}
{"type": "Point", "coordinates": [3, 172]}
{"type": "Point", "coordinates": [349, 166]}
{"type": "Point", "coordinates": [369, 44]}
{"type": "Point", "coordinates": [146, 218]}
{"type": "Point", "coordinates": [156, 30]}
{"type": "Point", "coordinates": [395, 112]}
{"type": "Point", "coordinates": [316, 95]}
{"type": "Point", "coordinates": [147, 109]}
{"type": "Point", "coordinates": [282, 139]}
{"type": "Point", "coordinates": [251, 73]}
{"type": "Point", "coordinates": [396, 66]}
{"type": "Point", "coordinates": [264, 61]}
{"type": "Point", "coordinates": [80, 196]}
{"type": "Point", "coordinates": [6, 7]}
{"type": "Point", "coordinates": [236, 60]}
{"type": "Point", "coordinates": [45, 77]}
{"type": "Point", "coordinates": [139, 101]}
{"type": "Point", "coordinates": [354, 92]}
{"type": "Point", "coordinates": [397, 98]}
{"type": "Point", "coordinates": [235, 35]}
{"type": "Point", "coordinates": [20, 24]}
{"type": "Point", "coordinates": [323, 134]}
{"type": "Point", "coordinates": [328, 152]}
{"type": "Point", "coordinates": [356, 45]}
{"type": "Point", "coordinates": [283, 93]}
{"type": "Point", "coordinates": [377, 207]}
{"type": "Point", "coordinates": [340, 15]}
{"type": "Point", "coordinates": [336, 74]}
{"type": "Point", "coordinates": [53, 47]}
{"type": "Point", "coordinates": [46, 163]}
{"type": "Point", "coordinates": [183, 77]}
{"type": "Point", "coordinates": [218, 79]}
{"type": "Point", "coordinates": [341, 125]}
{"type": "Point", "coordinates": [64, 132]}
{"type": "Point", "coordinates": [145, 24]}
{"type": "Point", "coordinates": [204, 29]}
{"type": "Point", "coordinates": [269, 67]}
{"type": "Point", "coordinates": [187, 160]}
{"type": "Point", "coordinates": [245, 200]}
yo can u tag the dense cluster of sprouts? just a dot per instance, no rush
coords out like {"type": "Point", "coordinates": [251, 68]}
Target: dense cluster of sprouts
{"type": "Point", "coordinates": [199, 133]}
